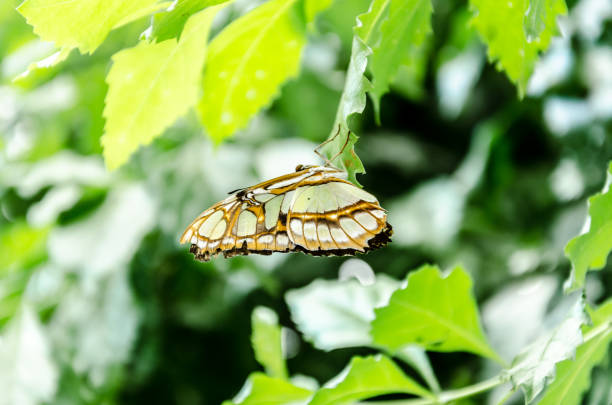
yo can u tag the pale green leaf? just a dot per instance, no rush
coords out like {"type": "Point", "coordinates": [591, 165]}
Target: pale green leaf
{"type": "Point", "coordinates": [500, 25]}
{"type": "Point", "coordinates": [367, 377]}
{"type": "Point", "coordinates": [340, 145]}
{"type": "Point", "coordinates": [248, 62]}
{"type": "Point", "coordinates": [28, 372]}
{"type": "Point", "coordinates": [534, 22]}
{"type": "Point", "coordinates": [573, 377]}
{"type": "Point", "coordinates": [590, 251]}
{"type": "Point", "coordinates": [170, 23]}
{"type": "Point", "coordinates": [335, 314]}
{"type": "Point", "coordinates": [266, 342]}
{"type": "Point", "coordinates": [82, 24]}
{"type": "Point", "coordinates": [534, 368]}
{"type": "Point", "coordinates": [403, 36]}
{"type": "Point", "coordinates": [150, 86]}
{"type": "Point", "coordinates": [261, 389]}
{"type": "Point", "coordinates": [438, 313]}
{"type": "Point", "coordinates": [43, 64]}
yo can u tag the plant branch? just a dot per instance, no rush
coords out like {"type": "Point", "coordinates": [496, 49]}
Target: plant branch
{"type": "Point", "coordinates": [450, 395]}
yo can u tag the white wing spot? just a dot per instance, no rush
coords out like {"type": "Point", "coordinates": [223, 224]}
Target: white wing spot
{"type": "Point", "coordinates": [282, 240]}
{"type": "Point", "coordinates": [323, 232]}
{"type": "Point", "coordinates": [260, 74]}
{"type": "Point", "coordinates": [251, 94]}
{"type": "Point", "coordinates": [338, 235]}
{"type": "Point", "coordinates": [352, 228]}
{"type": "Point", "coordinates": [310, 231]}
{"type": "Point", "coordinates": [378, 214]}
{"type": "Point", "coordinates": [296, 227]}
{"type": "Point", "coordinates": [366, 220]}
{"type": "Point", "coordinates": [266, 239]}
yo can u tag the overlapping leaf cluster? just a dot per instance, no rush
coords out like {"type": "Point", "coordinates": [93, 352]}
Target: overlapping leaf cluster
{"type": "Point", "coordinates": [246, 64]}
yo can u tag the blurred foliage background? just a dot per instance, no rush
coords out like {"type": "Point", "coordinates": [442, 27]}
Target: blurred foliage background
{"type": "Point", "coordinates": [99, 303]}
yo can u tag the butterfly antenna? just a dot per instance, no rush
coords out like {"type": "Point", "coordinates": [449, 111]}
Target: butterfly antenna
{"type": "Point", "coordinates": [328, 162]}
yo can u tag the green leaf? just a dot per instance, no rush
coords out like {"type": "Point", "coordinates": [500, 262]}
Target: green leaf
{"type": "Point", "coordinates": [367, 377]}
{"type": "Point", "coordinates": [150, 86]}
{"type": "Point", "coordinates": [266, 341]}
{"type": "Point", "coordinates": [534, 368]}
{"type": "Point", "coordinates": [590, 250]}
{"type": "Point", "coordinates": [534, 22]}
{"type": "Point", "coordinates": [340, 144]}
{"type": "Point", "coordinates": [170, 23]}
{"type": "Point", "coordinates": [402, 36]}
{"type": "Point", "coordinates": [37, 68]}
{"type": "Point", "coordinates": [314, 7]}
{"type": "Point", "coordinates": [261, 389]}
{"type": "Point", "coordinates": [573, 377]}
{"type": "Point", "coordinates": [82, 24]}
{"type": "Point", "coordinates": [248, 62]}
{"type": "Point", "coordinates": [335, 314]}
{"type": "Point", "coordinates": [500, 25]}
{"type": "Point", "coordinates": [20, 246]}
{"type": "Point", "coordinates": [436, 312]}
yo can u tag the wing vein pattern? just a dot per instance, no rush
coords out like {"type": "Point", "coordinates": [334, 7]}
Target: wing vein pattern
{"type": "Point", "coordinates": [314, 211]}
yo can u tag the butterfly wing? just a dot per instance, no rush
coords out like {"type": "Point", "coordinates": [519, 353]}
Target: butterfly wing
{"type": "Point", "coordinates": [250, 221]}
{"type": "Point", "coordinates": [303, 211]}
{"type": "Point", "coordinates": [334, 217]}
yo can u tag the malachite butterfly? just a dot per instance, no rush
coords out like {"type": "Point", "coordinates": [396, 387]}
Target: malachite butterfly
{"type": "Point", "coordinates": [314, 210]}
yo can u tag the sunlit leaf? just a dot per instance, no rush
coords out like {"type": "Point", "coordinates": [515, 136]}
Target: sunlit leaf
{"type": "Point", "coordinates": [314, 7]}
{"type": "Point", "coordinates": [247, 63]}
{"type": "Point", "coordinates": [82, 24]}
{"type": "Point", "coordinates": [170, 23]}
{"type": "Point", "coordinates": [534, 368]}
{"type": "Point", "coordinates": [335, 314]}
{"type": "Point", "coordinates": [590, 250]}
{"type": "Point", "coordinates": [266, 341]}
{"type": "Point", "coordinates": [261, 389]}
{"type": "Point", "coordinates": [151, 85]}
{"type": "Point", "coordinates": [535, 18]}
{"type": "Point", "coordinates": [47, 63]}
{"type": "Point", "coordinates": [434, 311]}
{"type": "Point", "coordinates": [573, 376]}
{"type": "Point", "coordinates": [402, 36]}
{"type": "Point", "coordinates": [500, 25]}
{"type": "Point", "coordinates": [367, 377]}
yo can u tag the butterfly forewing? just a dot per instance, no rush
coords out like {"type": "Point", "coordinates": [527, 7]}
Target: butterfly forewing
{"type": "Point", "coordinates": [312, 210]}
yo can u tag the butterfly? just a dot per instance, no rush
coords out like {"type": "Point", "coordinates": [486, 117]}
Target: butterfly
{"type": "Point", "coordinates": [314, 210]}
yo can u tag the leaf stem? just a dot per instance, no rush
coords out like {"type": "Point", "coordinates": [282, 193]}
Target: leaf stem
{"type": "Point", "coordinates": [450, 395]}
{"type": "Point", "coordinates": [598, 330]}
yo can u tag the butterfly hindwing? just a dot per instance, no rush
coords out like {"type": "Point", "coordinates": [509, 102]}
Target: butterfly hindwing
{"type": "Point", "coordinates": [335, 216]}
{"type": "Point", "coordinates": [312, 211]}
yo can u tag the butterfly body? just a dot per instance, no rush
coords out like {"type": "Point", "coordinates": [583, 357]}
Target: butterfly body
{"type": "Point", "coordinates": [313, 210]}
